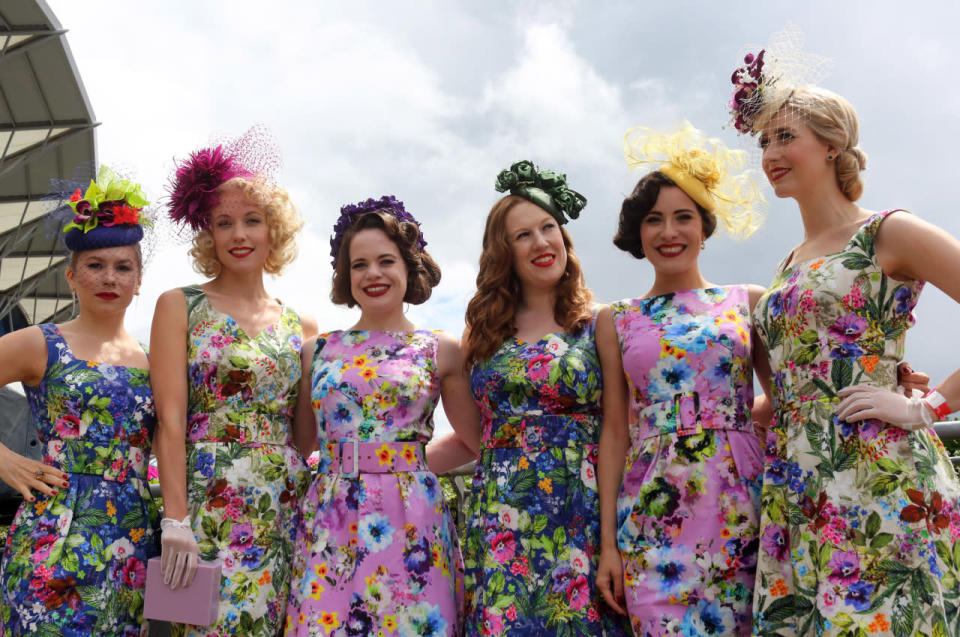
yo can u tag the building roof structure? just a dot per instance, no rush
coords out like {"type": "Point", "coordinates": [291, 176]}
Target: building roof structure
{"type": "Point", "coordinates": [46, 132]}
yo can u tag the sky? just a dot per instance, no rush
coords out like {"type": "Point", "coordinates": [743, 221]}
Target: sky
{"type": "Point", "coordinates": [430, 100]}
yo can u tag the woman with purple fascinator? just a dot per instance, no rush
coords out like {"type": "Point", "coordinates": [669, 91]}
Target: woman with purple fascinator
{"type": "Point", "coordinates": [860, 506]}
{"type": "Point", "coordinates": [376, 550]}
{"type": "Point", "coordinates": [226, 370]}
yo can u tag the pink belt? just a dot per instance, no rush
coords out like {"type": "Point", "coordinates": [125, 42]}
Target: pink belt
{"type": "Point", "coordinates": [352, 457]}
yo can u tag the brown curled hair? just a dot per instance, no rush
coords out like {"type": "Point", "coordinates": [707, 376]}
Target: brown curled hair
{"type": "Point", "coordinates": [491, 313]}
{"type": "Point", "coordinates": [282, 220]}
{"type": "Point", "coordinates": [423, 273]}
{"type": "Point", "coordinates": [639, 204]}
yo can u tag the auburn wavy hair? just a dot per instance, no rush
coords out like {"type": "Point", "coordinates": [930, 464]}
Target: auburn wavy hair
{"type": "Point", "coordinates": [491, 313]}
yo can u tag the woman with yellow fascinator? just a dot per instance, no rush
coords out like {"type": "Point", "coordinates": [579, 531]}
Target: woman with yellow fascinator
{"type": "Point", "coordinates": [679, 544]}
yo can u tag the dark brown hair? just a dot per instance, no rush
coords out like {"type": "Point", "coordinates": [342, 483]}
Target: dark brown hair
{"type": "Point", "coordinates": [423, 273]}
{"type": "Point", "coordinates": [491, 313]}
{"type": "Point", "coordinates": [639, 204]}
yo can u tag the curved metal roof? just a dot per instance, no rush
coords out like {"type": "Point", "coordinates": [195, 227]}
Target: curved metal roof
{"type": "Point", "coordinates": [46, 131]}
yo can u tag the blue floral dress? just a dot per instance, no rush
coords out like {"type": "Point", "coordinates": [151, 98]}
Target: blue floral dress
{"type": "Point", "coordinates": [75, 563]}
{"type": "Point", "coordinates": [534, 530]}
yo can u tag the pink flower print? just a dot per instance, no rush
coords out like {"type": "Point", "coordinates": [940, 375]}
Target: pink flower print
{"type": "Point", "coordinates": [234, 509]}
{"type": "Point", "coordinates": [578, 594]}
{"type": "Point", "coordinates": [592, 613]}
{"type": "Point", "coordinates": [774, 542]}
{"type": "Point", "coordinates": [848, 328]}
{"type": "Point", "coordinates": [134, 573]}
{"type": "Point", "coordinates": [854, 300]}
{"type": "Point", "coordinates": [198, 425]}
{"type": "Point", "coordinates": [519, 567]}
{"type": "Point", "coordinates": [241, 537]}
{"type": "Point", "coordinates": [68, 426]}
{"type": "Point", "coordinates": [844, 567]}
{"type": "Point", "coordinates": [511, 612]}
{"type": "Point", "coordinates": [539, 367]}
{"type": "Point", "coordinates": [504, 546]}
{"type": "Point", "coordinates": [492, 623]}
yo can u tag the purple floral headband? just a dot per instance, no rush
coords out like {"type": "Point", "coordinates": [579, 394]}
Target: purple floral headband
{"type": "Point", "coordinates": [193, 189]}
{"type": "Point", "coordinates": [350, 213]}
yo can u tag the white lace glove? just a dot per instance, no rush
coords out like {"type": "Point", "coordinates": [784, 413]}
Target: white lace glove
{"type": "Point", "coordinates": [179, 553]}
{"type": "Point", "coordinates": [862, 402]}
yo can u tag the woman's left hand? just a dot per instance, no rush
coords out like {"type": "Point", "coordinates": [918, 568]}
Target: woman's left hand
{"type": "Point", "coordinates": [910, 380]}
{"type": "Point", "coordinates": [863, 402]}
{"type": "Point", "coordinates": [610, 579]}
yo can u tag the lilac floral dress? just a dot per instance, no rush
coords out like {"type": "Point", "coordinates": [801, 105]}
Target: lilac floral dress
{"type": "Point", "coordinates": [860, 525]}
{"type": "Point", "coordinates": [534, 521]}
{"type": "Point", "coordinates": [75, 563]}
{"type": "Point", "coordinates": [688, 510]}
{"type": "Point", "coordinates": [376, 551]}
{"type": "Point", "coordinates": [243, 472]}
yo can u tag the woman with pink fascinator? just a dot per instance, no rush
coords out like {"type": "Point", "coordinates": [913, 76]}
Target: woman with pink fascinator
{"type": "Point", "coordinates": [226, 371]}
{"type": "Point", "coordinates": [860, 508]}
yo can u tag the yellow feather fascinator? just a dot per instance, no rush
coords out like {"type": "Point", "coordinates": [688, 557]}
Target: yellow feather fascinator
{"type": "Point", "coordinates": [705, 169]}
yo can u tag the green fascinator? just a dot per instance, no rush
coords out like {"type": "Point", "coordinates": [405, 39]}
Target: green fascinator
{"type": "Point", "coordinates": [545, 188]}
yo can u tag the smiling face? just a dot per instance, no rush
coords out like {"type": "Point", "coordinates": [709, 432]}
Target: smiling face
{"type": "Point", "coordinates": [795, 161]}
{"type": "Point", "coordinates": [105, 279]}
{"type": "Point", "coordinates": [539, 256]}
{"type": "Point", "coordinates": [671, 232]}
{"type": "Point", "coordinates": [240, 232]}
{"type": "Point", "coordinates": [378, 274]}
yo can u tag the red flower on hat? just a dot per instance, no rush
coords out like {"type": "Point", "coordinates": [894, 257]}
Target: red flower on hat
{"type": "Point", "coordinates": [76, 196]}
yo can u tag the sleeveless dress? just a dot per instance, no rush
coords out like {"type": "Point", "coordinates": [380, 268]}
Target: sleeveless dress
{"type": "Point", "coordinates": [243, 473]}
{"type": "Point", "coordinates": [688, 511]}
{"type": "Point", "coordinates": [76, 563]}
{"type": "Point", "coordinates": [533, 534]}
{"type": "Point", "coordinates": [376, 551]}
{"type": "Point", "coordinates": [860, 521]}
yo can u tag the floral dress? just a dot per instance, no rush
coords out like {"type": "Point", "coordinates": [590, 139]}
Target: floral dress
{"type": "Point", "coordinates": [243, 473]}
{"type": "Point", "coordinates": [688, 511]}
{"type": "Point", "coordinates": [75, 563]}
{"type": "Point", "coordinates": [860, 521]}
{"type": "Point", "coordinates": [376, 552]}
{"type": "Point", "coordinates": [533, 533]}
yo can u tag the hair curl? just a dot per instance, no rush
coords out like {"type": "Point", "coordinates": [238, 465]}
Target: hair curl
{"type": "Point", "coordinates": [423, 273]}
{"type": "Point", "coordinates": [491, 313]}
{"type": "Point", "coordinates": [283, 223]}
{"type": "Point", "coordinates": [639, 204]}
{"type": "Point", "coordinates": [833, 120]}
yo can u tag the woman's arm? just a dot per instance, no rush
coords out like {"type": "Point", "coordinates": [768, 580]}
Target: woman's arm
{"type": "Point", "coordinates": [168, 378]}
{"type": "Point", "coordinates": [304, 420]}
{"type": "Point", "coordinates": [611, 456]}
{"type": "Point", "coordinates": [451, 451]}
{"type": "Point", "coordinates": [908, 247]}
{"type": "Point", "coordinates": [24, 359]}
{"type": "Point", "coordinates": [762, 410]}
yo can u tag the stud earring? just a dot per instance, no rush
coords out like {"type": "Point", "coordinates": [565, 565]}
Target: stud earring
{"type": "Point", "coordinates": [830, 157]}
{"type": "Point", "coordinates": [703, 244]}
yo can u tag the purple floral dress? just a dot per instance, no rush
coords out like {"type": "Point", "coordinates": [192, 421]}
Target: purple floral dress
{"type": "Point", "coordinates": [75, 563]}
{"type": "Point", "coordinates": [860, 524]}
{"type": "Point", "coordinates": [376, 551]}
{"type": "Point", "coordinates": [688, 510]}
{"type": "Point", "coordinates": [534, 519]}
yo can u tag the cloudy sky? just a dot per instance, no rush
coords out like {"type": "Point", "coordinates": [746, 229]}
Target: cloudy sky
{"type": "Point", "coordinates": [429, 100]}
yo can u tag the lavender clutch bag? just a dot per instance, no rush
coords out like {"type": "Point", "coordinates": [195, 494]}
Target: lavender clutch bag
{"type": "Point", "coordinates": [196, 604]}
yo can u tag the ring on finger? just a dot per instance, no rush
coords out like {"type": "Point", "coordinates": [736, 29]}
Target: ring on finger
{"type": "Point", "coordinates": [38, 474]}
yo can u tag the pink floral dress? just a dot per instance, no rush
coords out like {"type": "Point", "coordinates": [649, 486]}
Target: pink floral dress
{"type": "Point", "coordinates": [376, 551]}
{"type": "Point", "coordinates": [688, 510]}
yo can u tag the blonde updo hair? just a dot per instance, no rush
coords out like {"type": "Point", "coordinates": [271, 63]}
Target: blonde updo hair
{"type": "Point", "coordinates": [283, 222]}
{"type": "Point", "coordinates": [834, 122]}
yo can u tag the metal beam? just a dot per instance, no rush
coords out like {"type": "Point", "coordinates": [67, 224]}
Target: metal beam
{"type": "Point", "coordinates": [43, 125]}
{"type": "Point", "coordinates": [18, 49]}
{"type": "Point", "coordinates": [9, 163]}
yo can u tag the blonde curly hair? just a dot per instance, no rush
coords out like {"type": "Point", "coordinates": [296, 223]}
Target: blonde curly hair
{"type": "Point", "coordinates": [833, 120]}
{"type": "Point", "coordinates": [283, 223]}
